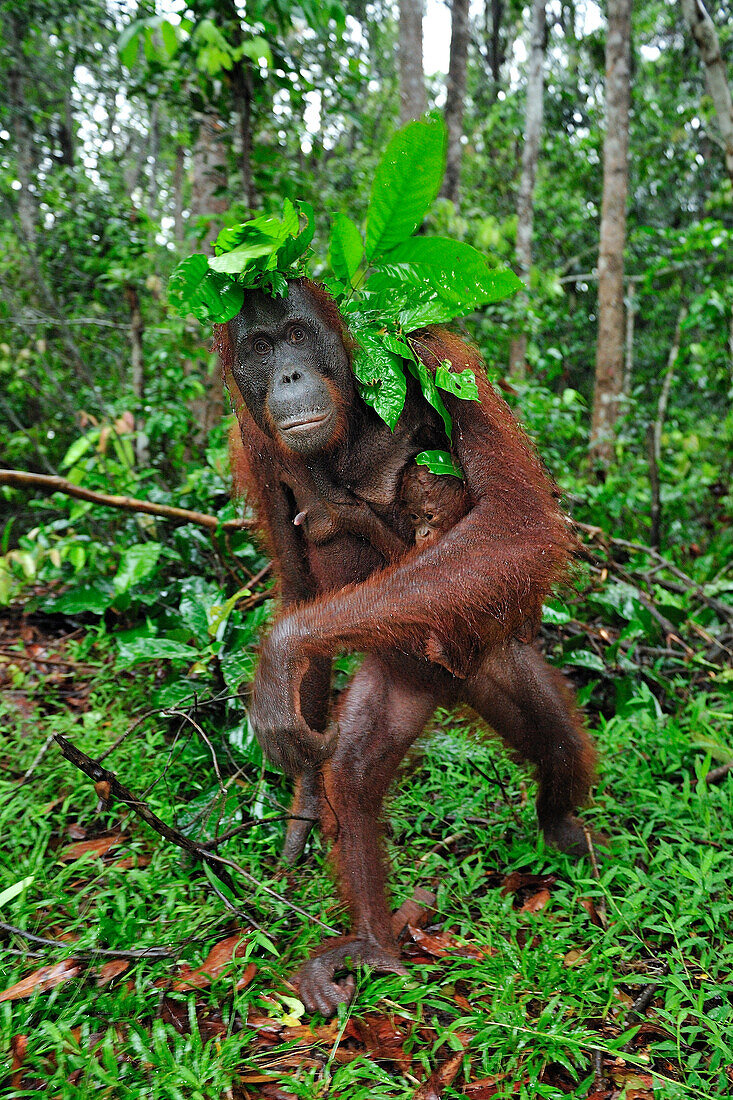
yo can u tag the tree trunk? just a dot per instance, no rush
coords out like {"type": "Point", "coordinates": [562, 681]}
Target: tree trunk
{"type": "Point", "coordinates": [209, 173]}
{"type": "Point", "coordinates": [210, 200]}
{"type": "Point", "coordinates": [20, 124]}
{"type": "Point", "coordinates": [530, 156]}
{"type": "Point", "coordinates": [456, 93]}
{"type": "Point", "coordinates": [137, 364]}
{"type": "Point", "coordinates": [413, 100]}
{"type": "Point", "coordinates": [610, 346]}
{"type": "Point", "coordinates": [178, 177]}
{"type": "Point", "coordinates": [704, 33]}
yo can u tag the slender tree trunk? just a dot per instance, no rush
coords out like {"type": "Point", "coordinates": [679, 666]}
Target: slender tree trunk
{"type": "Point", "coordinates": [654, 432]}
{"type": "Point", "coordinates": [495, 51]}
{"type": "Point", "coordinates": [210, 201]}
{"type": "Point", "coordinates": [137, 364]}
{"type": "Point", "coordinates": [456, 93]}
{"type": "Point", "coordinates": [530, 156]}
{"type": "Point", "coordinates": [178, 177]}
{"type": "Point", "coordinates": [629, 350]}
{"type": "Point", "coordinates": [704, 33]}
{"type": "Point", "coordinates": [152, 157]}
{"type": "Point", "coordinates": [209, 172]}
{"type": "Point", "coordinates": [610, 346]}
{"type": "Point", "coordinates": [413, 100]}
{"type": "Point", "coordinates": [24, 152]}
{"type": "Point", "coordinates": [243, 91]}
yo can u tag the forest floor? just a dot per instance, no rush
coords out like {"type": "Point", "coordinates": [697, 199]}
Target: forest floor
{"type": "Point", "coordinates": [129, 969]}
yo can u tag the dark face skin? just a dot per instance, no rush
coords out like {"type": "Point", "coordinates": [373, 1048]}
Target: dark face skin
{"type": "Point", "coordinates": [292, 370]}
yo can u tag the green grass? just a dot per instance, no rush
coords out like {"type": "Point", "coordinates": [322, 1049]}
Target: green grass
{"type": "Point", "coordinates": [551, 986]}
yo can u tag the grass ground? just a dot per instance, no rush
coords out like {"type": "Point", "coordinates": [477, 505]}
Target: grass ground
{"type": "Point", "coordinates": [522, 980]}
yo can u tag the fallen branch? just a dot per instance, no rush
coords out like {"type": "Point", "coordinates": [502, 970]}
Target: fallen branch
{"type": "Point", "coordinates": [216, 863]}
{"type": "Point", "coordinates": [20, 479]}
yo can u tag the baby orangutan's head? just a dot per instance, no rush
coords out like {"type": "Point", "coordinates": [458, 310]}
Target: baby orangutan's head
{"type": "Point", "coordinates": [434, 502]}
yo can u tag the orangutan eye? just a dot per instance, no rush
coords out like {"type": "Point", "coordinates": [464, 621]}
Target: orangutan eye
{"type": "Point", "coordinates": [429, 517]}
{"type": "Point", "coordinates": [296, 335]}
{"type": "Point", "coordinates": [261, 346]}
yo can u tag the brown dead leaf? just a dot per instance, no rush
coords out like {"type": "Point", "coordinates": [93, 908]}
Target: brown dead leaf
{"type": "Point", "coordinates": [131, 862]}
{"type": "Point", "coordinates": [519, 880]}
{"type": "Point", "coordinates": [111, 969]}
{"type": "Point", "coordinates": [592, 912]}
{"type": "Point", "coordinates": [220, 957]}
{"type": "Point", "coordinates": [18, 1048]}
{"type": "Point", "coordinates": [47, 977]}
{"type": "Point", "coordinates": [576, 957]}
{"type": "Point", "coordinates": [383, 1037]}
{"type": "Point", "coordinates": [125, 423]}
{"type": "Point", "coordinates": [98, 847]}
{"type": "Point", "coordinates": [440, 944]}
{"type": "Point", "coordinates": [536, 902]}
{"type": "Point", "coordinates": [441, 1078]}
{"type": "Point", "coordinates": [414, 910]}
{"type": "Point", "coordinates": [485, 1088]}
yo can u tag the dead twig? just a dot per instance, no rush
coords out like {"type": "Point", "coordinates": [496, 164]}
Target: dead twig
{"type": "Point", "coordinates": [716, 775]}
{"type": "Point", "coordinates": [90, 952]}
{"type": "Point", "coordinates": [217, 863]}
{"type": "Point", "coordinates": [20, 479]}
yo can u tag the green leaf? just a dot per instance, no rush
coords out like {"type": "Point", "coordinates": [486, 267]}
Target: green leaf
{"type": "Point", "coordinates": [91, 598]}
{"type": "Point", "coordinates": [432, 312]}
{"type": "Point", "coordinates": [399, 347]}
{"type": "Point", "coordinates": [430, 393]}
{"type": "Point", "coordinates": [382, 381]}
{"type": "Point", "coordinates": [232, 263]}
{"type": "Point", "coordinates": [194, 288]}
{"type": "Point", "coordinates": [439, 462]}
{"type": "Point", "coordinates": [461, 384]}
{"type": "Point", "coordinates": [170, 39]}
{"type": "Point", "coordinates": [257, 48]}
{"type": "Point", "coordinates": [406, 182]}
{"type": "Point", "coordinates": [78, 448]}
{"type": "Point", "coordinates": [137, 563]}
{"type": "Point", "coordinates": [347, 248]}
{"type": "Point", "coordinates": [556, 612]}
{"type": "Point", "coordinates": [292, 250]}
{"type": "Point", "coordinates": [154, 649]}
{"type": "Point", "coordinates": [17, 888]}
{"type": "Point", "coordinates": [457, 272]}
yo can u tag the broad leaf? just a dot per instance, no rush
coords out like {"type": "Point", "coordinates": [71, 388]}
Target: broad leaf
{"type": "Point", "coordinates": [154, 649]}
{"type": "Point", "coordinates": [460, 385]}
{"type": "Point", "coordinates": [292, 250]}
{"type": "Point", "coordinates": [439, 462]}
{"type": "Point", "coordinates": [406, 182]}
{"type": "Point", "coordinates": [347, 248]}
{"type": "Point", "coordinates": [137, 563]}
{"type": "Point", "coordinates": [456, 271]}
{"type": "Point", "coordinates": [194, 288]}
{"type": "Point", "coordinates": [382, 380]}
{"type": "Point", "coordinates": [232, 263]}
{"type": "Point", "coordinates": [430, 393]}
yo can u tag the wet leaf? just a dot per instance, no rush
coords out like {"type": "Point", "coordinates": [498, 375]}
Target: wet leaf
{"type": "Point", "coordinates": [42, 980]}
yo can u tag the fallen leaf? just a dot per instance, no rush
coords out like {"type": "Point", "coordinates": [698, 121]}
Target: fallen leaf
{"type": "Point", "coordinates": [592, 912]}
{"type": "Point", "coordinates": [440, 1078]}
{"type": "Point", "coordinates": [48, 977]}
{"type": "Point", "coordinates": [518, 880]}
{"type": "Point", "coordinates": [96, 847]}
{"type": "Point", "coordinates": [414, 911]}
{"type": "Point", "coordinates": [440, 944]}
{"type": "Point", "coordinates": [18, 1048]}
{"type": "Point", "coordinates": [536, 902]}
{"type": "Point", "coordinates": [220, 957]}
{"type": "Point", "coordinates": [576, 957]}
{"type": "Point", "coordinates": [111, 969]}
{"type": "Point", "coordinates": [383, 1038]}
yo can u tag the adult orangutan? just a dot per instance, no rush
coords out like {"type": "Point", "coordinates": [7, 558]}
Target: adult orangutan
{"type": "Point", "coordinates": [438, 621]}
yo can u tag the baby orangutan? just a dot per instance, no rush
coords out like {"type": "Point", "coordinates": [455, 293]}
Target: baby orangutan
{"type": "Point", "coordinates": [434, 502]}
